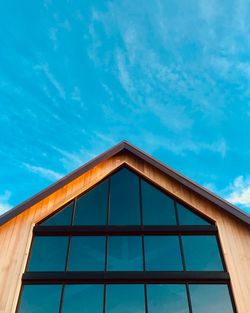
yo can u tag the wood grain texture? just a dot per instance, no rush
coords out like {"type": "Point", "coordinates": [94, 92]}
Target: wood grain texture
{"type": "Point", "coordinates": [16, 235]}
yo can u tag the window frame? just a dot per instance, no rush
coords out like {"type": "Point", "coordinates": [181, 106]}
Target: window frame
{"type": "Point", "coordinates": [129, 277]}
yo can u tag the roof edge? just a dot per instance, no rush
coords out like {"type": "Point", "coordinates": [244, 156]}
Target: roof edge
{"type": "Point", "coordinates": [60, 183]}
{"type": "Point", "coordinates": [124, 145]}
{"type": "Point", "coordinates": [227, 206]}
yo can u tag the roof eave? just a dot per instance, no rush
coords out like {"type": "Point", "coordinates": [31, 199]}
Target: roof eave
{"type": "Point", "coordinates": [124, 145]}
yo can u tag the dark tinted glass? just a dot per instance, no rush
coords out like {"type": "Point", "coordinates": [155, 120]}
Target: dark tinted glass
{"type": "Point", "coordinates": [83, 299]}
{"type": "Point", "coordinates": [125, 253]}
{"type": "Point", "coordinates": [40, 299]}
{"type": "Point", "coordinates": [186, 217]}
{"type": "Point", "coordinates": [167, 298]}
{"type": "Point", "coordinates": [158, 208]}
{"type": "Point", "coordinates": [125, 299]}
{"type": "Point", "coordinates": [48, 254]}
{"type": "Point", "coordinates": [210, 299]}
{"type": "Point", "coordinates": [87, 253]}
{"type": "Point", "coordinates": [201, 253]}
{"type": "Point", "coordinates": [91, 208]}
{"type": "Point", "coordinates": [63, 217]}
{"type": "Point", "coordinates": [162, 253]}
{"type": "Point", "coordinates": [124, 199]}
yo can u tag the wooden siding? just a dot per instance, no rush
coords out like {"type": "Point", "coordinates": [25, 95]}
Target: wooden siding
{"type": "Point", "coordinates": [16, 235]}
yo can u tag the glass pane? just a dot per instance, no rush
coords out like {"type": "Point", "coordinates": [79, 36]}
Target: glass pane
{"type": "Point", "coordinates": [125, 299]}
{"type": "Point", "coordinates": [63, 217]}
{"type": "Point", "coordinates": [167, 298]}
{"type": "Point", "coordinates": [40, 299]}
{"type": "Point", "coordinates": [187, 217]}
{"type": "Point", "coordinates": [48, 254]}
{"type": "Point", "coordinates": [125, 253]}
{"type": "Point", "coordinates": [201, 253]}
{"type": "Point", "coordinates": [162, 253]}
{"type": "Point", "coordinates": [158, 208]}
{"type": "Point", "coordinates": [87, 253]}
{"type": "Point", "coordinates": [124, 199]}
{"type": "Point", "coordinates": [83, 299]}
{"type": "Point", "coordinates": [210, 299]}
{"type": "Point", "coordinates": [91, 208]}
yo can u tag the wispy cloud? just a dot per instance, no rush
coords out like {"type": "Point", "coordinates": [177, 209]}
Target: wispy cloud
{"type": "Point", "coordinates": [76, 96]}
{"type": "Point", "coordinates": [72, 160]}
{"type": "Point", "coordinates": [123, 74]}
{"type": "Point", "coordinates": [44, 172]}
{"type": "Point", "coordinates": [107, 139]}
{"type": "Point", "coordinates": [5, 201]}
{"type": "Point", "coordinates": [44, 68]}
{"type": "Point", "coordinates": [53, 37]}
{"type": "Point", "coordinates": [182, 146]}
{"type": "Point", "coordinates": [172, 116]}
{"type": "Point", "coordinates": [239, 192]}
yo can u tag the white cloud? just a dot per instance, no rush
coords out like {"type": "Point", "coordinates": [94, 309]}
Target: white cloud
{"type": "Point", "coordinates": [72, 160]}
{"type": "Point", "coordinates": [53, 36]}
{"type": "Point", "coordinates": [172, 116]}
{"type": "Point", "coordinates": [123, 74]}
{"type": "Point", "coordinates": [76, 96]}
{"type": "Point", "coordinates": [107, 139]}
{"type": "Point", "coordinates": [5, 202]}
{"type": "Point", "coordinates": [181, 146]}
{"type": "Point", "coordinates": [239, 191]}
{"type": "Point", "coordinates": [45, 69]}
{"type": "Point", "coordinates": [210, 187]}
{"type": "Point", "coordinates": [44, 172]}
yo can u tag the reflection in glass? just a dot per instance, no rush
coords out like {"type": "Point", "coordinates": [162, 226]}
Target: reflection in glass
{"type": "Point", "coordinates": [125, 253]}
{"type": "Point", "coordinates": [210, 299]}
{"type": "Point", "coordinates": [125, 299]}
{"type": "Point", "coordinates": [91, 208]}
{"type": "Point", "coordinates": [187, 217]}
{"type": "Point", "coordinates": [201, 253]}
{"type": "Point", "coordinates": [124, 199]}
{"type": "Point", "coordinates": [40, 299]}
{"type": "Point", "coordinates": [83, 299]}
{"type": "Point", "coordinates": [158, 208]}
{"type": "Point", "coordinates": [162, 253]}
{"type": "Point", "coordinates": [167, 298]}
{"type": "Point", "coordinates": [48, 254]}
{"type": "Point", "coordinates": [63, 217]}
{"type": "Point", "coordinates": [87, 253]}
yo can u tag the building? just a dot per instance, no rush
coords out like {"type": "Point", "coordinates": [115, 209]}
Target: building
{"type": "Point", "coordinates": [125, 234]}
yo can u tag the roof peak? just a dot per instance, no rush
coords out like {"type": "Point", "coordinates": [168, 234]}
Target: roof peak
{"type": "Point", "coordinates": [125, 145]}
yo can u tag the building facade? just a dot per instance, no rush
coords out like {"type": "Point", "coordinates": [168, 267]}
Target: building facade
{"type": "Point", "coordinates": [124, 233]}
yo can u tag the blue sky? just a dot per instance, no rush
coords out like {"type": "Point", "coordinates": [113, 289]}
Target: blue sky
{"type": "Point", "coordinates": [171, 77]}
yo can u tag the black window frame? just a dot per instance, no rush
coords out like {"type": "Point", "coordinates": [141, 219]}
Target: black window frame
{"type": "Point", "coordinates": [129, 277]}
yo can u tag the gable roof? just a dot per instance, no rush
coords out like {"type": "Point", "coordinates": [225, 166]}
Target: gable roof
{"type": "Point", "coordinates": [125, 146]}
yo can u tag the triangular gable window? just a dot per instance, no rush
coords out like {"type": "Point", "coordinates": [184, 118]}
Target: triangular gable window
{"type": "Point", "coordinates": [61, 218]}
{"type": "Point", "coordinates": [187, 217]}
{"type": "Point", "coordinates": [124, 198]}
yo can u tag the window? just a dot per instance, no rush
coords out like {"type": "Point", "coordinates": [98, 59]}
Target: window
{"type": "Point", "coordinates": [48, 254]}
{"type": "Point", "coordinates": [83, 298]}
{"type": "Point", "coordinates": [210, 299]}
{"type": "Point", "coordinates": [126, 298]}
{"type": "Point", "coordinates": [167, 298]}
{"type": "Point", "coordinates": [126, 246]}
{"type": "Point", "coordinates": [63, 217]}
{"type": "Point", "coordinates": [124, 199]}
{"type": "Point", "coordinates": [163, 253]}
{"type": "Point", "coordinates": [201, 253]}
{"type": "Point", "coordinates": [40, 298]}
{"type": "Point", "coordinates": [158, 208]}
{"type": "Point", "coordinates": [87, 253]}
{"type": "Point", "coordinates": [125, 253]}
{"type": "Point", "coordinates": [91, 208]}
